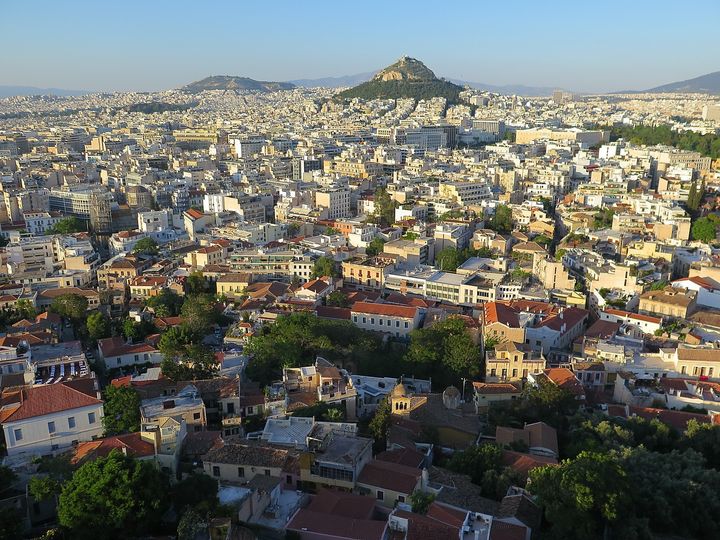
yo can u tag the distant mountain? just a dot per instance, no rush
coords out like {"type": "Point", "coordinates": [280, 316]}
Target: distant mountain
{"type": "Point", "coordinates": [406, 78]}
{"type": "Point", "coordinates": [8, 91]}
{"type": "Point", "coordinates": [709, 84]}
{"type": "Point", "coordinates": [335, 82]}
{"type": "Point", "coordinates": [228, 83]}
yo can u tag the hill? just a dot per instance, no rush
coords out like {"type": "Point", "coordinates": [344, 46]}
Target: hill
{"type": "Point", "coordinates": [709, 84]}
{"type": "Point", "coordinates": [9, 91]}
{"type": "Point", "coordinates": [229, 83]}
{"type": "Point", "coordinates": [406, 78]}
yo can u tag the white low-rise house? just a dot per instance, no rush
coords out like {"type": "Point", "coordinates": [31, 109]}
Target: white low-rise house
{"type": "Point", "coordinates": [116, 352]}
{"type": "Point", "coordinates": [388, 318]}
{"type": "Point", "coordinates": [647, 323]}
{"type": "Point", "coordinates": [45, 419]}
{"type": "Point", "coordinates": [708, 290]}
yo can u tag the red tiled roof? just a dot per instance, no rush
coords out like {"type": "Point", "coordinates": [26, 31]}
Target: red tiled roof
{"type": "Point", "coordinates": [193, 213]}
{"type": "Point", "coordinates": [332, 312]}
{"type": "Point", "coordinates": [41, 400]}
{"type": "Point", "coordinates": [524, 463]}
{"type": "Point", "coordinates": [628, 314]}
{"type": "Point", "coordinates": [391, 476]}
{"type": "Point", "coordinates": [132, 443]}
{"type": "Point", "coordinates": [116, 346]}
{"type": "Point", "coordinates": [602, 329]}
{"type": "Point", "coordinates": [675, 419]}
{"type": "Point", "coordinates": [565, 379]}
{"type": "Point", "coordinates": [386, 310]}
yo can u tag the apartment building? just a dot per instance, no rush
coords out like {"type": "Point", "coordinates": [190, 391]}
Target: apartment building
{"type": "Point", "coordinates": [392, 319]}
{"type": "Point", "coordinates": [367, 272]}
{"type": "Point", "coordinates": [509, 361]}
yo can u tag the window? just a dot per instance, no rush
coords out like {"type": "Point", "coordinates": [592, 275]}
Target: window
{"type": "Point", "coordinates": [538, 343]}
{"type": "Point", "coordinates": [118, 361]}
{"type": "Point", "coordinates": [401, 498]}
{"type": "Point", "coordinates": [137, 357]}
{"type": "Point", "coordinates": [196, 416]}
{"type": "Point", "coordinates": [514, 373]}
{"type": "Point", "coordinates": [71, 422]}
{"type": "Point", "coordinates": [267, 472]}
{"type": "Point", "coordinates": [380, 322]}
{"type": "Point", "coordinates": [241, 472]}
{"type": "Point", "coordinates": [216, 471]}
{"type": "Point", "coordinates": [91, 418]}
{"type": "Point", "coordinates": [397, 324]}
{"type": "Point", "coordinates": [18, 434]}
{"type": "Point", "coordinates": [288, 479]}
{"type": "Point", "coordinates": [51, 427]}
{"type": "Point", "coordinates": [231, 408]}
{"type": "Point", "coordinates": [372, 320]}
{"type": "Point", "coordinates": [406, 324]}
{"type": "Point", "coordinates": [492, 372]}
{"type": "Point", "coordinates": [380, 495]}
{"type": "Point", "coordinates": [54, 447]}
{"type": "Point", "coordinates": [251, 410]}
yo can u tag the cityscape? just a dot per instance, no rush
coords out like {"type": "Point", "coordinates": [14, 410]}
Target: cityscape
{"type": "Point", "coordinates": [267, 303]}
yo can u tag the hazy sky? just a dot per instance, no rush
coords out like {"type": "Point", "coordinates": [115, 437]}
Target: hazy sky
{"type": "Point", "coordinates": [158, 44]}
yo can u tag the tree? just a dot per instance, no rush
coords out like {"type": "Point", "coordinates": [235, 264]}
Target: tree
{"type": "Point", "coordinates": [448, 259]}
{"type": "Point", "coordinates": [112, 497]}
{"type": "Point", "coordinates": [43, 487]}
{"type": "Point", "coordinates": [197, 284]}
{"type": "Point", "coordinates": [584, 497]}
{"type": "Point", "coordinates": [705, 439]}
{"type": "Point", "coordinates": [704, 230]}
{"type": "Point", "coordinates": [501, 221]}
{"type": "Point", "coordinates": [71, 306]}
{"type": "Point", "coordinates": [421, 501]}
{"type": "Point", "coordinates": [98, 325]}
{"type": "Point", "coordinates": [68, 225]}
{"type": "Point", "coordinates": [197, 490]}
{"type": "Point", "coordinates": [338, 299]}
{"type": "Point", "coordinates": [384, 207]}
{"type": "Point", "coordinates": [324, 266]}
{"type": "Point", "coordinates": [166, 304]}
{"type": "Point", "coordinates": [603, 219]}
{"type": "Point", "coordinates": [191, 524]}
{"type": "Point", "coordinates": [196, 362]}
{"type": "Point", "coordinates": [543, 240]}
{"type": "Point", "coordinates": [380, 423]}
{"type": "Point", "coordinates": [146, 246]}
{"type": "Point", "coordinates": [200, 314]}
{"type": "Point", "coordinates": [375, 246]}
{"type": "Point", "coordinates": [10, 524]}
{"type": "Point", "coordinates": [476, 461]}
{"type": "Point", "coordinates": [444, 351]}
{"type": "Point", "coordinates": [122, 410]}
{"type": "Point", "coordinates": [25, 309]}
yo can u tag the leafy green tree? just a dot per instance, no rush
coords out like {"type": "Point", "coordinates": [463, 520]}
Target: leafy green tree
{"type": "Point", "coordinates": [444, 351]}
{"type": "Point", "coordinates": [324, 266]}
{"type": "Point", "coordinates": [137, 331]}
{"type": "Point", "coordinates": [384, 207]}
{"type": "Point", "coordinates": [42, 488]}
{"type": "Point", "coordinates": [448, 259]}
{"type": "Point", "coordinates": [705, 439]}
{"type": "Point", "coordinates": [338, 299]}
{"type": "Point", "coordinates": [603, 219]}
{"type": "Point", "coordinates": [197, 284]}
{"type": "Point", "coordinates": [25, 309]}
{"type": "Point", "coordinates": [194, 491]}
{"type": "Point", "coordinates": [113, 497]}
{"type": "Point", "coordinates": [200, 314]}
{"type": "Point", "coordinates": [98, 325]}
{"type": "Point", "coordinates": [543, 240]}
{"type": "Point", "coordinates": [191, 525]}
{"type": "Point", "coordinates": [501, 221]}
{"type": "Point", "coordinates": [10, 524]}
{"type": "Point", "coordinates": [704, 230]}
{"type": "Point", "coordinates": [196, 362]}
{"type": "Point", "coordinates": [71, 306]}
{"type": "Point", "coordinates": [584, 497]}
{"type": "Point", "coordinates": [476, 461]}
{"type": "Point", "coordinates": [122, 410]}
{"type": "Point", "coordinates": [166, 304]}
{"type": "Point", "coordinates": [375, 246]}
{"type": "Point", "coordinates": [421, 501]}
{"type": "Point", "coordinates": [146, 246]}
{"type": "Point", "coordinates": [68, 225]}
{"type": "Point", "coordinates": [380, 423]}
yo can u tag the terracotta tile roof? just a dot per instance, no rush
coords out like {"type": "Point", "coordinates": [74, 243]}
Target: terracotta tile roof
{"type": "Point", "coordinates": [602, 329]}
{"type": "Point", "coordinates": [390, 476]}
{"type": "Point", "coordinates": [386, 310]}
{"type": "Point", "coordinates": [690, 354]}
{"type": "Point", "coordinates": [332, 312]}
{"type": "Point", "coordinates": [565, 379]}
{"type": "Point", "coordinates": [704, 282]}
{"type": "Point", "coordinates": [495, 388]}
{"type": "Point", "coordinates": [524, 463]}
{"type": "Point", "coordinates": [501, 530]}
{"type": "Point", "coordinates": [426, 528]}
{"type": "Point", "coordinates": [42, 400]}
{"type": "Point", "coordinates": [446, 514]}
{"type": "Point", "coordinates": [637, 316]}
{"type": "Point", "coordinates": [116, 346]}
{"type": "Point", "coordinates": [675, 419]}
{"type": "Point", "coordinates": [194, 214]}
{"type": "Point", "coordinates": [570, 317]}
{"type": "Point", "coordinates": [408, 457]}
{"type": "Point", "coordinates": [132, 443]}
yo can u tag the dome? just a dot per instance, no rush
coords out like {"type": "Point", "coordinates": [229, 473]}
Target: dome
{"type": "Point", "coordinates": [451, 397]}
{"type": "Point", "coordinates": [399, 390]}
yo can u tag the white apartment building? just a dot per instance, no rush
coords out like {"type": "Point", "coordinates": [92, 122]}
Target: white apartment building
{"type": "Point", "coordinates": [50, 418]}
{"type": "Point", "coordinates": [336, 201]}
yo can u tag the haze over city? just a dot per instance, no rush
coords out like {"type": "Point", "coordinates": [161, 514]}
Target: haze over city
{"type": "Point", "coordinates": [137, 45]}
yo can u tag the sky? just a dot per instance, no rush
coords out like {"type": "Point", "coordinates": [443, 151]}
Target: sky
{"type": "Point", "coordinates": [149, 45]}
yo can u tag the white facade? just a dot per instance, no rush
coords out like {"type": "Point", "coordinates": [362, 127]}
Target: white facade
{"type": "Point", "coordinates": [49, 433]}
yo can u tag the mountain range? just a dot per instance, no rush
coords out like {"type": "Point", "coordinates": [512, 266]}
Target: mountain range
{"type": "Point", "coordinates": [709, 83]}
{"type": "Point", "coordinates": [233, 83]}
{"type": "Point", "coordinates": [9, 91]}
